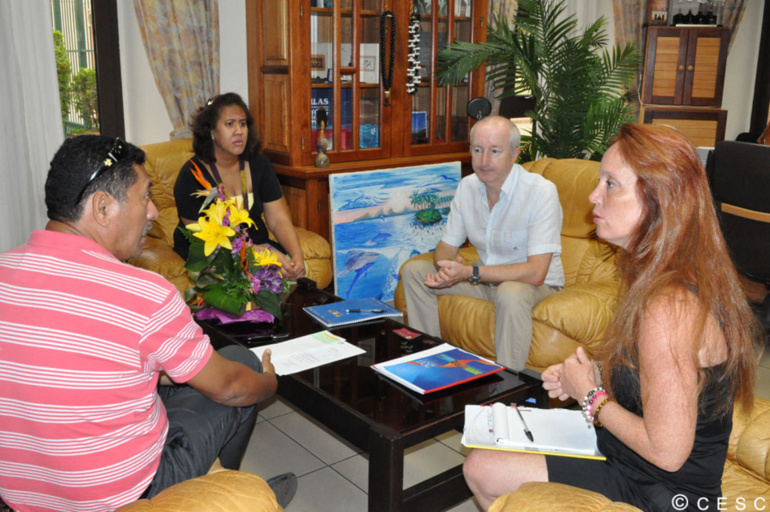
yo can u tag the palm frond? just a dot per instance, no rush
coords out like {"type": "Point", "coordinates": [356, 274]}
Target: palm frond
{"type": "Point", "coordinates": [580, 87]}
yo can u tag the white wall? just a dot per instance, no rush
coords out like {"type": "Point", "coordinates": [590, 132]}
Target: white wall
{"type": "Point", "coordinates": [147, 121]}
{"type": "Point", "coordinates": [145, 113]}
{"type": "Point", "coordinates": [742, 71]}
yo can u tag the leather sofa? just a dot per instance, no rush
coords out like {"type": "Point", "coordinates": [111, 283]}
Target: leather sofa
{"type": "Point", "coordinates": [219, 490]}
{"type": "Point", "coordinates": [163, 162]}
{"type": "Point", "coordinates": [745, 481]}
{"type": "Point", "coordinates": [576, 316]}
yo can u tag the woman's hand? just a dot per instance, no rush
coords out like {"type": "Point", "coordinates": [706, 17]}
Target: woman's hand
{"type": "Point", "coordinates": [577, 376]}
{"type": "Point", "coordinates": [293, 269]}
{"type": "Point", "coordinates": [552, 382]}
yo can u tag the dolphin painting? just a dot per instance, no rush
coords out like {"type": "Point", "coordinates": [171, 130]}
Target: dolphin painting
{"type": "Point", "coordinates": [380, 237]}
{"type": "Point", "coordinates": [359, 262]}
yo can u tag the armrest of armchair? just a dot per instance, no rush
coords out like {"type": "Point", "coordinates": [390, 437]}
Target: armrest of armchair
{"type": "Point", "coordinates": [318, 257]}
{"type": "Point", "coordinates": [220, 489]}
{"type": "Point", "coordinates": [748, 462]}
{"type": "Point", "coordinates": [546, 496]}
{"type": "Point", "coordinates": [468, 254]}
{"type": "Point", "coordinates": [399, 299]}
{"type": "Point", "coordinates": [576, 316]}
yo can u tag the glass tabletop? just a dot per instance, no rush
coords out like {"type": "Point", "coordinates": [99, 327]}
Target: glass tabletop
{"type": "Point", "coordinates": [351, 383]}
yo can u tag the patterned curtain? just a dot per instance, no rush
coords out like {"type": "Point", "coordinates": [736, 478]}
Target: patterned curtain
{"type": "Point", "coordinates": [503, 9]}
{"type": "Point", "coordinates": [181, 38]}
{"type": "Point", "coordinates": [732, 14]}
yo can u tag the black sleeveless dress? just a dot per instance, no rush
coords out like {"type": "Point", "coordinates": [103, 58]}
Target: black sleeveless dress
{"type": "Point", "coordinates": [627, 477]}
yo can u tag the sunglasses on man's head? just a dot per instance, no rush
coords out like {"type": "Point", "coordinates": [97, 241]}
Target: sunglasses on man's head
{"type": "Point", "coordinates": [115, 155]}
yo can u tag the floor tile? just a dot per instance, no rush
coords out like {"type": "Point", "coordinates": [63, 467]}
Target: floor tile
{"type": "Point", "coordinates": [762, 388]}
{"type": "Point", "coordinates": [326, 490]}
{"type": "Point", "coordinates": [452, 440]}
{"type": "Point", "coordinates": [355, 469]}
{"type": "Point", "coordinates": [421, 462]}
{"type": "Point", "coordinates": [468, 505]}
{"type": "Point", "coordinates": [428, 459]}
{"type": "Point", "coordinates": [271, 452]}
{"type": "Point", "coordinates": [321, 442]}
{"type": "Point", "coordinates": [275, 407]}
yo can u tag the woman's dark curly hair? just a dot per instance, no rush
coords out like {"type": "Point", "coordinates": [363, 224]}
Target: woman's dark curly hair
{"type": "Point", "coordinates": [205, 120]}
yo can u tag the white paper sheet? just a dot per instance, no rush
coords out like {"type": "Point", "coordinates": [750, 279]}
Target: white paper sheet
{"type": "Point", "coordinates": [308, 352]}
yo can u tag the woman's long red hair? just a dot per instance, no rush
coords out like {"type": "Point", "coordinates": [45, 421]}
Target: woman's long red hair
{"type": "Point", "coordinates": [678, 245]}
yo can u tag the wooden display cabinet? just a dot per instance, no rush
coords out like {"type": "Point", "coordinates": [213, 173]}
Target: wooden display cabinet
{"type": "Point", "coordinates": [304, 54]}
{"type": "Point", "coordinates": [685, 65]}
{"type": "Point", "coordinates": [703, 126]}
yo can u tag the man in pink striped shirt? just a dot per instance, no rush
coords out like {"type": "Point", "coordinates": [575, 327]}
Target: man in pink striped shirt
{"type": "Point", "coordinates": [85, 339]}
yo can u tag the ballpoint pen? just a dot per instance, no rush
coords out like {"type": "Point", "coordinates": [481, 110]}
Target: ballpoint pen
{"type": "Point", "coordinates": [526, 428]}
{"type": "Point", "coordinates": [365, 310]}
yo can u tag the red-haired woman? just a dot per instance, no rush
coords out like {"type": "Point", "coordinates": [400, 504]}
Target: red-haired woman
{"type": "Point", "coordinates": [681, 350]}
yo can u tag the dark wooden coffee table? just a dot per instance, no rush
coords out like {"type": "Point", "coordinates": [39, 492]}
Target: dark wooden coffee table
{"type": "Point", "coordinates": [379, 416]}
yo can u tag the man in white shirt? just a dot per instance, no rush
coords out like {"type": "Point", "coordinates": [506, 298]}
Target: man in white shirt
{"type": "Point", "coordinates": [513, 218]}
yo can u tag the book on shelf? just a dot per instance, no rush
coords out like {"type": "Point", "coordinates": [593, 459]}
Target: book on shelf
{"type": "Point", "coordinates": [307, 352]}
{"type": "Point", "coordinates": [437, 368]}
{"type": "Point", "coordinates": [560, 432]}
{"type": "Point", "coordinates": [351, 311]}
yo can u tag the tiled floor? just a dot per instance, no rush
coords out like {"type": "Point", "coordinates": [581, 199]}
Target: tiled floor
{"type": "Point", "coordinates": [333, 474]}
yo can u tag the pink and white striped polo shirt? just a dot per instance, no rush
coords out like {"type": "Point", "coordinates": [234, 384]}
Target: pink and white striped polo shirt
{"type": "Point", "coordinates": [83, 338]}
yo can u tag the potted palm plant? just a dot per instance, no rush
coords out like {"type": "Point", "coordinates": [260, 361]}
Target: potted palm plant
{"type": "Point", "coordinates": [581, 88]}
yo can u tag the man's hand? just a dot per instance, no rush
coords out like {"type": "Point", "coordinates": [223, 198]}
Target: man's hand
{"type": "Point", "coordinates": [267, 364]}
{"type": "Point", "coordinates": [449, 273]}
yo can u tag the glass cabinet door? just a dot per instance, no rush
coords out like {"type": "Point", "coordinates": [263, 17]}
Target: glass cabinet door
{"type": "Point", "coordinates": [345, 76]}
{"type": "Point", "coordinates": [438, 113]}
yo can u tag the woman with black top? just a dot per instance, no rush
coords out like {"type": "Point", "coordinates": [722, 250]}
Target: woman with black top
{"type": "Point", "coordinates": [227, 153]}
{"type": "Point", "coordinates": [682, 347]}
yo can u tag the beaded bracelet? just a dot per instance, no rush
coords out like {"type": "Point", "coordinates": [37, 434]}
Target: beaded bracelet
{"type": "Point", "coordinates": [590, 398]}
{"type": "Point", "coordinates": [593, 401]}
{"type": "Point", "coordinates": [599, 408]}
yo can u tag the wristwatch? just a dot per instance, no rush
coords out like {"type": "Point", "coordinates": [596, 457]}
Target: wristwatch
{"type": "Point", "coordinates": [475, 278]}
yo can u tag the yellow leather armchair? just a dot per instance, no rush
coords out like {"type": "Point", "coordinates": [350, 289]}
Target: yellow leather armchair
{"type": "Point", "coordinates": [163, 162]}
{"type": "Point", "coordinates": [745, 483]}
{"type": "Point", "coordinates": [576, 316]}
{"type": "Point", "coordinates": [221, 490]}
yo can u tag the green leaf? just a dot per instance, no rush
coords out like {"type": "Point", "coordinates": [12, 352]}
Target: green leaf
{"type": "Point", "coordinates": [217, 297]}
{"type": "Point", "coordinates": [197, 261]}
{"type": "Point", "coordinates": [270, 302]}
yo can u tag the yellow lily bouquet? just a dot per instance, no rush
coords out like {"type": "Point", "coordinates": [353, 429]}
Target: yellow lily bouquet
{"type": "Point", "coordinates": [230, 273]}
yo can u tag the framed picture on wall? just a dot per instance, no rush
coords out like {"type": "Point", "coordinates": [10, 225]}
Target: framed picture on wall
{"type": "Point", "coordinates": [657, 12]}
{"type": "Point", "coordinates": [658, 18]}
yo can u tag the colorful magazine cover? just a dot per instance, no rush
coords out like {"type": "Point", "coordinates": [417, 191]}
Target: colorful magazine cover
{"type": "Point", "coordinates": [437, 368]}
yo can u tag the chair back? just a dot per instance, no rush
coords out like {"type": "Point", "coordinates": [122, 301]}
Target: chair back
{"type": "Point", "coordinates": [584, 257]}
{"type": "Point", "coordinates": [740, 185]}
{"type": "Point", "coordinates": [163, 162]}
